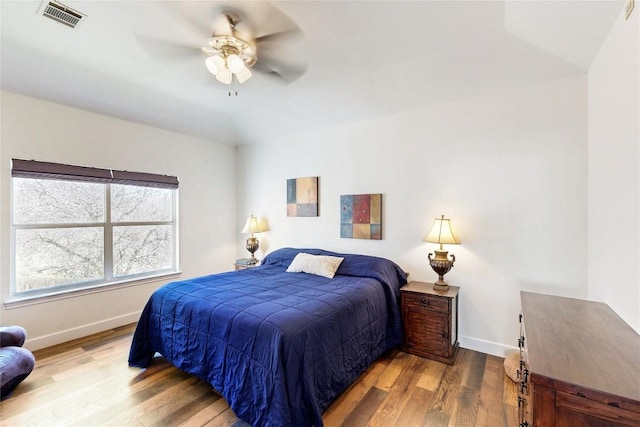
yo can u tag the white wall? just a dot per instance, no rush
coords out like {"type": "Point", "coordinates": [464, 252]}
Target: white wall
{"type": "Point", "coordinates": [508, 168]}
{"type": "Point", "coordinates": [40, 130]}
{"type": "Point", "coordinates": [614, 171]}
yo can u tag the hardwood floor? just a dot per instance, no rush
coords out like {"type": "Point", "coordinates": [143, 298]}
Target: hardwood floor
{"type": "Point", "coordinates": [87, 382]}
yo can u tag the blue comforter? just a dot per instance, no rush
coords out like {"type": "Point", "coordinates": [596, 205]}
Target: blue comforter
{"type": "Point", "coordinates": [280, 347]}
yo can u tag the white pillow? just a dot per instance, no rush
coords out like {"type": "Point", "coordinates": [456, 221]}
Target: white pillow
{"type": "Point", "coordinates": [321, 265]}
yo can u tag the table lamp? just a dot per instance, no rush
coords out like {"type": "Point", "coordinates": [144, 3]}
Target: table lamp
{"type": "Point", "coordinates": [250, 227]}
{"type": "Point", "coordinates": [441, 233]}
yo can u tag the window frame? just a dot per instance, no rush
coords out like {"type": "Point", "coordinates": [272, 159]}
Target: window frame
{"type": "Point", "coordinates": [31, 169]}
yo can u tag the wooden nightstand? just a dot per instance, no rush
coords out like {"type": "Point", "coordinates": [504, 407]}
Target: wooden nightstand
{"type": "Point", "coordinates": [430, 319]}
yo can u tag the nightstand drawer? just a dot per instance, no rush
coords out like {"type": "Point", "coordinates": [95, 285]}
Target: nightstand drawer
{"type": "Point", "coordinates": [427, 302]}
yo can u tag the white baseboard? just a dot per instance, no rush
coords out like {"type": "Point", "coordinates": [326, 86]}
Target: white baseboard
{"type": "Point", "coordinates": [484, 346]}
{"type": "Point", "coordinates": [476, 344]}
{"type": "Point", "coordinates": [81, 331]}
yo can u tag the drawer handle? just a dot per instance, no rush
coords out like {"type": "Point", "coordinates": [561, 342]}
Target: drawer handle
{"type": "Point", "coordinates": [425, 302]}
{"type": "Point", "coordinates": [523, 387]}
{"type": "Point", "coordinates": [580, 394]}
{"type": "Point", "coordinates": [521, 342]}
{"type": "Point", "coordinates": [614, 404]}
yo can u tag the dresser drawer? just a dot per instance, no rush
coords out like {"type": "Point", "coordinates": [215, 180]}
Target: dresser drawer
{"type": "Point", "coordinates": [427, 302]}
{"type": "Point", "coordinates": [576, 410]}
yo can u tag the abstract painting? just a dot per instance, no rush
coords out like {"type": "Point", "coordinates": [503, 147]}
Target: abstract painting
{"type": "Point", "coordinates": [361, 216]}
{"type": "Point", "coordinates": [302, 196]}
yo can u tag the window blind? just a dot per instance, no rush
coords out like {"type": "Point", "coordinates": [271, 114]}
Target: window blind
{"type": "Point", "coordinates": [47, 170]}
{"type": "Point", "coordinates": [144, 179]}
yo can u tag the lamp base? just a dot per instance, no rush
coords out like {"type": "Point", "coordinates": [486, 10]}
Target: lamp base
{"type": "Point", "coordinates": [441, 265]}
{"type": "Point", "coordinates": [252, 246]}
{"type": "Point", "coordinates": [440, 285]}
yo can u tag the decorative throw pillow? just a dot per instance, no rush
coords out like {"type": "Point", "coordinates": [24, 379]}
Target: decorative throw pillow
{"type": "Point", "coordinates": [320, 265]}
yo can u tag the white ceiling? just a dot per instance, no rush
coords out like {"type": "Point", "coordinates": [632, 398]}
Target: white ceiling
{"type": "Point", "coordinates": [364, 58]}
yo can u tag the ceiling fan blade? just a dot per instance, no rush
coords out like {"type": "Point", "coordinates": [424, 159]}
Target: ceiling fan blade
{"type": "Point", "coordinates": [193, 18]}
{"type": "Point", "coordinates": [293, 33]}
{"type": "Point", "coordinates": [222, 24]}
{"type": "Point", "coordinates": [163, 50]}
{"type": "Point", "coordinates": [244, 31]}
{"type": "Point", "coordinates": [264, 69]}
{"type": "Point", "coordinates": [285, 72]}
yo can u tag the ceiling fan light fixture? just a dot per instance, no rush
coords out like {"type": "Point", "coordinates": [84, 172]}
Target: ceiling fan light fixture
{"type": "Point", "coordinates": [235, 64]}
{"type": "Point", "coordinates": [214, 64]}
{"type": "Point", "coordinates": [224, 76]}
{"type": "Point", "coordinates": [244, 75]}
{"type": "Point", "coordinates": [231, 51]}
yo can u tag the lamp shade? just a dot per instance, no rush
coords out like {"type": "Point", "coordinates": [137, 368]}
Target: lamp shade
{"type": "Point", "coordinates": [244, 75]}
{"type": "Point", "coordinates": [442, 233]}
{"type": "Point", "coordinates": [224, 76]}
{"type": "Point", "coordinates": [252, 226]}
{"type": "Point", "coordinates": [235, 64]}
{"type": "Point", "coordinates": [214, 64]}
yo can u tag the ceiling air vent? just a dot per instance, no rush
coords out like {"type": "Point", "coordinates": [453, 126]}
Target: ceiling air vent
{"type": "Point", "coordinates": [61, 13]}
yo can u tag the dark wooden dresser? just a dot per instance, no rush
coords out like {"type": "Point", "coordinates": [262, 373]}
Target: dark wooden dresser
{"type": "Point", "coordinates": [579, 365]}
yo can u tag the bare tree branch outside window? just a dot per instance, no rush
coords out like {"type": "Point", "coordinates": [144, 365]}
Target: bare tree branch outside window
{"type": "Point", "coordinates": [61, 230]}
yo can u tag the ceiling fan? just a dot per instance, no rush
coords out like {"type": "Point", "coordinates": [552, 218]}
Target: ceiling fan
{"type": "Point", "coordinates": [232, 54]}
{"type": "Point", "coordinates": [228, 53]}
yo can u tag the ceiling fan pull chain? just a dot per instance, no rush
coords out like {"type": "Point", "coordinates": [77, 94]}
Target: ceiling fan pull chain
{"type": "Point", "coordinates": [234, 82]}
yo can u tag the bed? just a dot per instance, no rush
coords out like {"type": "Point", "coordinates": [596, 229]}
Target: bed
{"type": "Point", "coordinates": [278, 346]}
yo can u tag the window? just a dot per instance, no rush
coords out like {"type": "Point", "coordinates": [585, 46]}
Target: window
{"type": "Point", "coordinates": [76, 227]}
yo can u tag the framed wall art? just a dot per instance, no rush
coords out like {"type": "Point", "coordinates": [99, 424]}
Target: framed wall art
{"type": "Point", "coordinates": [361, 216]}
{"type": "Point", "coordinates": [302, 196]}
